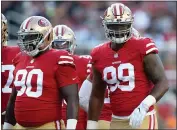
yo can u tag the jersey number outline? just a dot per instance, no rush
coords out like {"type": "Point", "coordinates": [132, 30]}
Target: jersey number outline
{"type": "Point", "coordinates": [25, 82]}
{"type": "Point", "coordinates": [117, 75]}
{"type": "Point", "coordinates": [10, 68]}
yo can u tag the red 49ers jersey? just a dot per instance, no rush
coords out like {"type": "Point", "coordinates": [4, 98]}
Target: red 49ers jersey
{"type": "Point", "coordinates": [38, 82]}
{"type": "Point", "coordinates": [8, 54]}
{"type": "Point", "coordinates": [123, 72]}
{"type": "Point", "coordinates": [82, 67]}
{"type": "Point", "coordinates": [82, 70]}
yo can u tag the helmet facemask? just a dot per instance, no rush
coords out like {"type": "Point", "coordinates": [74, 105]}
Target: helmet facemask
{"type": "Point", "coordinates": [64, 44]}
{"type": "Point", "coordinates": [118, 32]}
{"type": "Point", "coordinates": [30, 42]}
{"type": "Point", "coordinates": [64, 38]}
{"type": "Point", "coordinates": [117, 22]}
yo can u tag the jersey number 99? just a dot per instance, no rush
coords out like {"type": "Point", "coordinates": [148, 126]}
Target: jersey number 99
{"type": "Point", "coordinates": [117, 76]}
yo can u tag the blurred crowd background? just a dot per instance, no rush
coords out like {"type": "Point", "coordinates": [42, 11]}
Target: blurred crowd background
{"type": "Point", "coordinates": [156, 20]}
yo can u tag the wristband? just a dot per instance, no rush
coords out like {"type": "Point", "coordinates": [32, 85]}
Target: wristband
{"type": "Point", "coordinates": [92, 124]}
{"type": "Point", "coordinates": [7, 125]}
{"type": "Point", "coordinates": [149, 100]}
{"type": "Point", "coordinates": [71, 124]}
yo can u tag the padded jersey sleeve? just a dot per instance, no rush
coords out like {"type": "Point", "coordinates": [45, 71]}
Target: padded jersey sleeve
{"type": "Point", "coordinates": [66, 71]}
{"type": "Point", "coordinates": [93, 60]}
{"type": "Point", "coordinates": [87, 59]}
{"type": "Point", "coordinates": [148, 46]}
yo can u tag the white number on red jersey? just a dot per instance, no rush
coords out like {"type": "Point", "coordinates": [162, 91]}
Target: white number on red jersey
{"type": "Point", "coordinates": [25, 82]}
{"type": "Point", "coordinates": [85, 56]}
{"type": "Point", "coordinates": [117, 75]}
{"type": "Point", "coordinates": [107, 97]}
{"type": "Point", "coordinates": [10, 68]}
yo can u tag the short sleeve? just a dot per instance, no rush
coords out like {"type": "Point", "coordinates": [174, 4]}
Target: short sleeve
{"type": "Point", "coordinates": [89, 66]}
{"type": "Point", "coordinates": [93, 61]}
{"type": "Point", "coordinates": [93, 56]}
{"type": "Point", "coordinates": [148, 46]}
{"type": "Point", "coordinates": [66, 75]}
{"type": "Point", "coordinates": [66, 70]}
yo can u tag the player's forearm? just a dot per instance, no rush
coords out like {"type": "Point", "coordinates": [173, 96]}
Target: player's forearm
{"type": "Point", "coordinates": [10, 116]}
{"type": "Point", "coordinates": [72, 112]}
{"type": "Point", "coordinates": [160, 88]}
{"type": "Point", "coordinates": [72, 107]}
{"type": "Point", "coordinates": [95, 106]}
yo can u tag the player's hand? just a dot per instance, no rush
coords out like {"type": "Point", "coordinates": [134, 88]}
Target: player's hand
{"type": "Point", "coordinates": [62, 123]}
{"type": "Point", "coordinates": [138, 115]}
{"type": "Point", "coordinates": [3, 113]}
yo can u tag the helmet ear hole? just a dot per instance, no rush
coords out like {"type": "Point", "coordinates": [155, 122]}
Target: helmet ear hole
{"type": "Point", "coordinates": [48, 37]}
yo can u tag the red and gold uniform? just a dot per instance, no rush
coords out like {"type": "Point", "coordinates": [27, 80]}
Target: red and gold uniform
{"type": "Point", "coordinates": [124, 74]}
{"type": "Point", "coordinates": [8, 54]}
{"type": "Point", "coordinates": [38, 82]}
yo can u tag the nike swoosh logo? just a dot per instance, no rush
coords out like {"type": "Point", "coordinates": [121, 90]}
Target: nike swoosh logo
{"type": "Point", "coordinates": [74, 78]}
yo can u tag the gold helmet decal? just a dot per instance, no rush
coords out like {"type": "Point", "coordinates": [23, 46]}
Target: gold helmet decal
{"type": "Point", "coordinates": [35, 35]}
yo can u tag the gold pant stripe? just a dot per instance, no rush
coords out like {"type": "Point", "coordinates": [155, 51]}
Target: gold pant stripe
{"type": "Point", "coordinates": [152, 122]}
{"type": "Point", "coordinates": [149, 123]}
{"type": "Point", "coordinates": [50, 125]}
{"type": "Point", "coordinates": [57, 125]}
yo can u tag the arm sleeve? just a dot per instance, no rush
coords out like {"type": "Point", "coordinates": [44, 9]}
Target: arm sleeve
{"type": "Point", "coordinates": [92, 62]}
{"type": "Point", "coordinates": [66, 71]}
{"type": "Point", "coordinates": [84, 94]}
{"type": "Point", "coordinates": [66, 75]}
{"type": "Point", "coordinates": [148, 46]}
{"type": "Point", "coordinates": [89, 66]}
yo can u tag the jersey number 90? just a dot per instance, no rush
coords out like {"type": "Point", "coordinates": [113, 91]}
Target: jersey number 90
{"type": "Point", "coordinates": [23, 79]}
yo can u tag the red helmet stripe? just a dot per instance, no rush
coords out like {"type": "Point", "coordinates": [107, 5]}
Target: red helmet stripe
{"type": "Point", "coordinates": [62, 31]}
{"type": "Point", "coordinates": [115, 11]}
{"type": "Point", "coordinates": [27, 23]}
{"type": "Point", "coordinates": [120, 10]}
{"type": "Point", "coordinates": [105, 13]}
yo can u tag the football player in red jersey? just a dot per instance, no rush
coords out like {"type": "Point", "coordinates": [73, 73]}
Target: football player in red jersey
{"type": "Point", "coordinates": [84, 96]}
{"type": "Point", "coordinates": [132, 70]}
{"type": "Point", "coordinates": [42, 75]}
{"type": "Point", "coordinates": [64, 39]}
{"type": "Point", "coordinates": [8, 53]}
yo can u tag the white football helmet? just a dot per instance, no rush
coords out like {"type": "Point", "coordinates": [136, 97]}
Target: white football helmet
{"type": "Point", "coordinates": [35, 35]}
{"type": "Point", "coordinates": [4, 32]}
{"type": "Point", "coordinates": [64, 38]}
{"type": "Point", "coordinates": [117, 22]}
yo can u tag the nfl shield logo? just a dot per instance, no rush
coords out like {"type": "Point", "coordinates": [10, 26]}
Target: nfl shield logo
{"type": "Point", "coordinates": [115, 55]}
